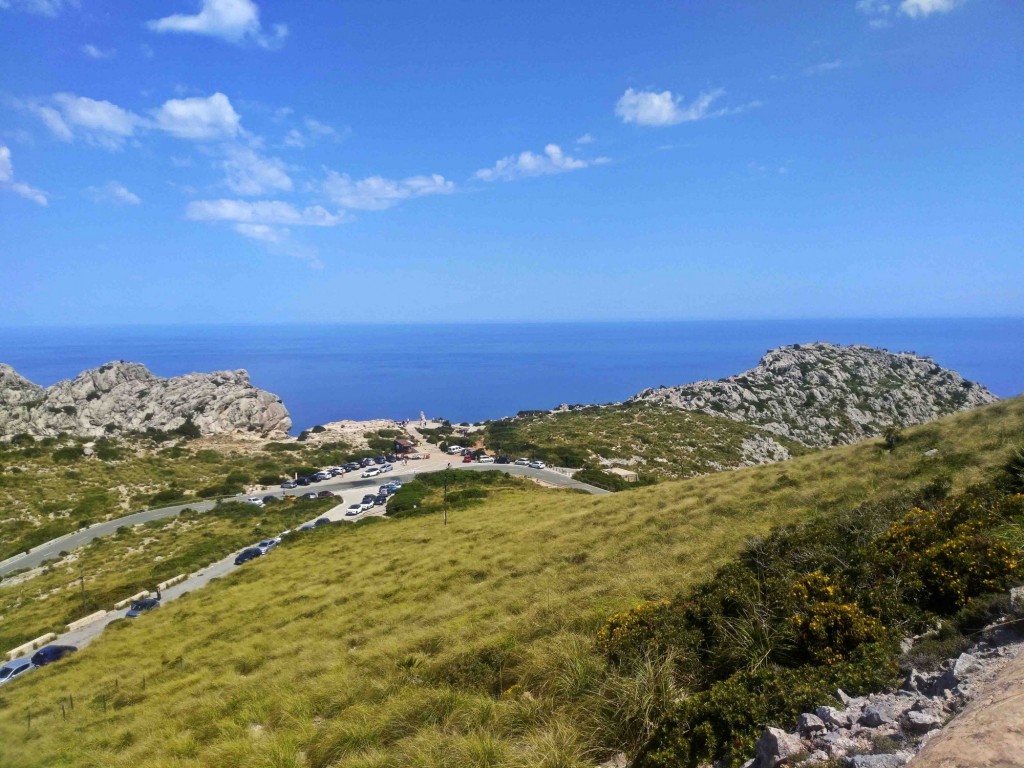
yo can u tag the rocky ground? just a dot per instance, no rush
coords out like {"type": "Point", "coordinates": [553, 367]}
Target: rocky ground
{"type": "Point", "coordinates": [123, 397]}
{"type": "Point", "coordinates": [893, 728]}
{"type": "Point", "coordinates": [823, 394]}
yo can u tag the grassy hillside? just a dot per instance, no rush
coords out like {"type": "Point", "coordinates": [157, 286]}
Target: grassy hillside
{"type": "Point", "coordinates": [659, 441]}
{"type": "Point", "coordinates": [49, 487]}
{"type": "Point", "coordinates": [134, 559]}
{"type": "Point", "coordinates": [403, 643]}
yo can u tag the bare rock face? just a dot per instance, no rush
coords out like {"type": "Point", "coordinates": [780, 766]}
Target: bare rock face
{"type": "Point", "coordinates": [123, 397]}
{"type": "Point", "coordinates": [823, 394]}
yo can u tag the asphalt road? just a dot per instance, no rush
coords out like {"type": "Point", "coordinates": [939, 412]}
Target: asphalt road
{"type": "Point", "coordinates": [71, 541]}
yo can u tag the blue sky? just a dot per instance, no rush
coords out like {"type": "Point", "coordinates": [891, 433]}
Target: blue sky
{"type": "Point", "coordinates": [192, 161]}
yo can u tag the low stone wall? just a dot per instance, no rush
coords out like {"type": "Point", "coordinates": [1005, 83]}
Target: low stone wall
{"type": "Point", "coordinates": [79, 623]}
{"type": "Point", "coordinates": [30, 646]}
{"type": "Point", "coordinates": [129, 600]}
{"type": "Point", "coordinates": [171, 582]}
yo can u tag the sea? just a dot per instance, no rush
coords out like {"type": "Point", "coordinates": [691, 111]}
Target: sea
{"type": "Point", "coordinates": [469, 372]}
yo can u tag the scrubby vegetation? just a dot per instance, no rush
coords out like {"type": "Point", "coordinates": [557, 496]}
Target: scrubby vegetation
{"type": "Point", "coordinates": [657, 441]}
{"type": "Point", "coordinates": [407, 643]}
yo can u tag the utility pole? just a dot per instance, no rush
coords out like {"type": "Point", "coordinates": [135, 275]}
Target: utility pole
{"type": "Point", "coordinates": [446, 494]}
{"type": "Point", "coordinates": [81, 578]}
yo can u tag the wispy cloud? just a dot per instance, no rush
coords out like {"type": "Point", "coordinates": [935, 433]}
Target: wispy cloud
{"type": "Point", "coordinates": [236, 21]}
{"type": "Point", "coordinates": [39, 7]}
{"type": "Point", "coordinates": [7, 180]}
{"type": "Point", "coordinates": [249, 173]}
{"type": "Point", "coordinates": [94, 52]}
{"type": "Point", "coordinates": [267, 212]}
{"type": "Point", "coordinates": [310, 132]}
{"type": "Point", "coordinates": [880, 12]}
{"type": "Point", "coordinates": [376, 193]}
{"type": "Point", "coordinates": [586, 138]}
{"type": "Point", "coordinates": [113, 192]}
{"type": "Point", "coordinates": [823, 67]}
{"type": "Point", "coordinates": [526, 164]}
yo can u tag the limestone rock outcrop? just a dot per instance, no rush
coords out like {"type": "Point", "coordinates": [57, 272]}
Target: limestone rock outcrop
{"type": "Point", "coordinates": [122, 397]}
{"type": "Point", "coordinates": [823, 394]}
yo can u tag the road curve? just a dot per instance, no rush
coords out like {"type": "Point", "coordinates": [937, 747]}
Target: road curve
{"type": "Point", "coordinates": [70, 541]}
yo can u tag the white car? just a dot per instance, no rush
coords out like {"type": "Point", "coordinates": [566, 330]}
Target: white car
{"type": "Point", "coordinates": [386, 468]}
{"type": "Point", "coordinates": [16, 668]}
{"type": "Point", "coordinates": [268, 544]}
{"type": "Point", "coordinates": [371, 472]}
{"type": "Point", "coordinates": [254, 500]}
{"type": "Point", "coordinates": [486, 459]}
{"type": "Point", "coordinates": [522, 462]}
{"type": "Point", "coordinates": [366, 506]}
{"type": "Point", "coordinates": [453, 449]}
{"type": "Point", "coordinates": [353, 510]}
{"type": "Point", "coordinates": [537, 465]}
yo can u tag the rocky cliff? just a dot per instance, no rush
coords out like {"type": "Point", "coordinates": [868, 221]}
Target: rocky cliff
{"type": "Point", "coordinates": [121, 397]}
{"type": "Point", "coordinates": [823, 394]}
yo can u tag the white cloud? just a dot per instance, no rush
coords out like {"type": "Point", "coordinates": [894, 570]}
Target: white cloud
{"type": "Point", "coordinates": [586, 138]}
{"type": "Point", "coordinates": [375, 193]}
{"type": "Point", "coordinates": [665, 108]}
{"type": "Point", "coordinates": [919, 8]}
{"type": "Point", "coordinates": [880, 12]}
{"type": "Point", "coordinates": [237, 21]}
{"type": "Point", "coordinates": [825, 66]}
{"type": "Point", "coordinates": [113, 192]}
{"type": "Point", "coordinates": [40, 7]}
{"type": "Point", "coordinates": [248, 173]}
{"type": "Point", "coordinates": [17, 187]}
{"type": "Point", "coordinates": [52, 119]}
{"type": "Point", "coordinates": [261, 212]}
{"type": "Point", "coordinates": [94, 52]}
{"type": "Point", "coordinates": [101, 122]}
{"type": "Point", "coordinates": [262, 232]}
{"type": "Point", "coordinates": [200, 118]}
{"type": "Point", "coordinates": [526, 164]}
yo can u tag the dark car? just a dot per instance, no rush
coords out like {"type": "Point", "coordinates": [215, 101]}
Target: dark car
{"type": "Point", "coordinates": [269, 499]}
{"type": "Point", "coordinates": [139, 607]}
{"type": "Point", "coordinates": [248, 554]}
{"type": "Point", "coordinates": [302, 481]}
{"type": "Point", "coordinates": [325, 494]}
{"type": "Point", "coordinates": [321, 521]}
{"type": "Point", "coordinates": [289, 484]}
{"type": "Point", "coordinates": [366, 462]}
{"type": "Point", "coordinates": [310, 495]}
{"type": "Point", "coordinates": [391, 457]}
{"type": "Point", "coordinates": [369, 498]}
{"type": "Point", "coordinates": [51, 653]}
{"type": "Point", "coordinates": [380, 460]}
{"type": "Point", "coordinates": [503, 460]}
{"type": "Point", "coordinates": [381, 499]}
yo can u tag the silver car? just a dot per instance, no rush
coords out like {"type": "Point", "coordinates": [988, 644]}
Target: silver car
{"type": "Point", "coordinates": [16, 668]}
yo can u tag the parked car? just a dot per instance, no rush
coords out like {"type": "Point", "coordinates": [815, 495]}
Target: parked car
{"type": "Point", "coordinates": [139, 607]}
{"type": "Point", "coordinates": [390, 489]}
{"type": "Point", "coordinates": [248, 554]}
{"type": "Point", "coordinates": [381, 500]}
{"type": "Point", "coordinates": [486, 459]}
{"type": "Point", "coordinates": [267, 544]}
{"type": "Point", "coordinates": [352, 466]}
{"type": "Point", "coordinates": [384, 489]}
{"type": "Point", "coordinates": [320, 476]}
{"type": "Point", "coordinates": [353, 510]}
{"type": "Point", "coordinates": [325, 494]}
{"type": "Point", "coordinates": [289, 484]}
{"type": "Point", "coordinates": [269, 499]}
{"type": "Point", "coordinates": [371, 472]}
{"type": "Point", "coordinates": [397, 483]}
{"type": "Point", "coordinates": [366, 462]}
{"type": "Point", "coordinates": [13, 669]}
{"type": "Point", "coordinates": [387, 468]}
{"type": "Point", "coordinates": [503, 460]}
{"type": "Point", "coordinates": [522, 462]}
{"type": "Point", "coordinates": [467, 459]}
{"type": "Point", "coordinates": [537, 465]}
{"type": "Point", "coordinates": [369, 497]}
{"type": "Point", "coordinates": [254, 500]}
{"type": "Point", "coordinates": [391, 457]}
{"type": "Point", "coordinates": [310, 495]}
{"type": "Point", "coordinates": [321, 521]}
{"type": "Point", "coordinates": [51, 653]}
{"type": "Point", "coordinates": [368, 505]}
{"type": "Point", "coordinates": [306, 527]}
{"type": "Point", "coordinates": [302, 481]}
{"type": "Point", "coordinates": [453, 449]}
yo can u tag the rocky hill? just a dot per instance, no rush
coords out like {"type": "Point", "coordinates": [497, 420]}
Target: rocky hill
{"type": "Point", "coordinates": [123, 397]}
{"type": "Point", "coordinates": [823, 394]}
